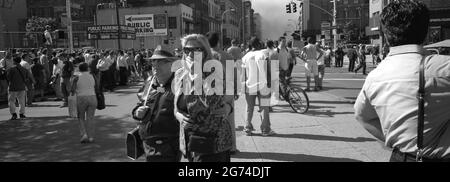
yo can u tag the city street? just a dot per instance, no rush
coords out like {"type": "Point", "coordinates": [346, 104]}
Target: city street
{"type": "Point", "coordinates": [328, 132]}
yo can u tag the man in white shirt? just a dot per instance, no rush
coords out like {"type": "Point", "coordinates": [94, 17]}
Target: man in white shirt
{"type": "Point", "coordinates": [253, 62]}
{"type": "Point", "coordinates": [26, 63]}
{"type": "Point", "coordinates": [122, 67]}
{"type": "Point", "coordinates": [387, 106]}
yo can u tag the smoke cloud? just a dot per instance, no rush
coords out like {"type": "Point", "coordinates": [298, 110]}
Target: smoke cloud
{"type": "Point", "coordinates": [275, 20]}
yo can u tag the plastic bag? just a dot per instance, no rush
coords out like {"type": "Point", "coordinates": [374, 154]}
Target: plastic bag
{"type": "Point", "coordinates": [72, 105]}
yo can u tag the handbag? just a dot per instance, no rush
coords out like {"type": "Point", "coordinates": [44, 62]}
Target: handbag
{"type": "Point", "coordinates": [135, 148]}
{"type": "Point", "coordinates": [100, 100]}
{"type": "Point", "coordinates": [201, 144]}
{"type": "Point", "coordinates": [72, 105]}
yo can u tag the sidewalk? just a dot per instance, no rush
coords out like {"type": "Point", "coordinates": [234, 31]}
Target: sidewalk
{"type": "Point", "coordinates": [328, 132]}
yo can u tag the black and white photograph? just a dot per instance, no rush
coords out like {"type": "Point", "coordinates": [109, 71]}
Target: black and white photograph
{"type": "Point", "coordinates": [224, 81]}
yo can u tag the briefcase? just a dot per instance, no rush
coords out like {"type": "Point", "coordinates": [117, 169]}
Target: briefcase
{"type": "Point", "coordinates": [134, 144]}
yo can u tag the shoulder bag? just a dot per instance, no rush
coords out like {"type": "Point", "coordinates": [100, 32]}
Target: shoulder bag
{"type": "Point", "coordinates": [421, 110]}
{"type": "Point", "coordinates": [135, 148]}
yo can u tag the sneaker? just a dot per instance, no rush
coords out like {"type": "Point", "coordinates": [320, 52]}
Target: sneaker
{"type": "Point", "coordinates": [84, 139]}
{"type": "Point", "coordinates": [270, 133]}
{"type": "Point", "coordinates": [14, 117]}
{"type": "Point", "coordinates": [307, 90]}
{"type": "Point", "coordinates": [22, 116]}
{"type": "Point", "coordinates": [249, 132]}
{"type": "Point", "coordinates": [234, 152]}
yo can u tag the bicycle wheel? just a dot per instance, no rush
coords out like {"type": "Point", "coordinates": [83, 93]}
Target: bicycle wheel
{"type": "Point", "coordinates": [298, 100]}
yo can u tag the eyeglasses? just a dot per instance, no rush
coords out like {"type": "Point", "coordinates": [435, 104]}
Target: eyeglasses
{"type": "Point", "coordinates": [188, 50]}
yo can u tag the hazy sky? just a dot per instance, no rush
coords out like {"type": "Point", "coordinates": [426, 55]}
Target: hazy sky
{"type": "Point", "coordinates": [275, 20]}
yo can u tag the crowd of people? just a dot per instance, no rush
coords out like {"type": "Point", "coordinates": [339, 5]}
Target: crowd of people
{"type": "Point", "coordinates": [175, 120]}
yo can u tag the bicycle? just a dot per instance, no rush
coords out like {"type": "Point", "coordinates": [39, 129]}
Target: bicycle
{"type": "Point", "coordinates": [295, 96]}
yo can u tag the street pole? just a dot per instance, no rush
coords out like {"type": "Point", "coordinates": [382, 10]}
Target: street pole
{"type": "Point", "coordinates": [334, 24]}
{"type": "Point", "coordinates": [69, 25]}
{"type": "Point", "coordinates": [118, 24]}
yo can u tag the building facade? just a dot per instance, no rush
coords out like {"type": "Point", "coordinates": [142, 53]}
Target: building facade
{"type": "Point", "coordinates": [257, 19]}
{"type": "Point", "coordinates": [12, 24]}
{"type": "Point", "coordinates": [179, 23]}
{"type": "Point", "coordinates": [439, 28]}
{"type": "Point", "coordinates": [352, 18]}
{"type": "Point", "coordinates": [231, 23]}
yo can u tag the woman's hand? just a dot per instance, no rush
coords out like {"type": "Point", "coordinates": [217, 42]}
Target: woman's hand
{"type": "Point", "coordinates": [141, 112]}
{"type": "Point", "coordinates": [182, 118]}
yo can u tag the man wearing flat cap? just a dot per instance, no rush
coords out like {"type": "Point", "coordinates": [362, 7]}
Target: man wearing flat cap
{"type": "Point", "coordinates": [159, 129]}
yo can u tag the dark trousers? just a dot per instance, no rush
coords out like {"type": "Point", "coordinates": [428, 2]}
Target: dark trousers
{"type": "Point", "coordinates": [123, 72]}
{"type": "Point", "coordinates": [351, 65]}
{"type": "Point", "coordinates": [219, 157]}
{"type": "Point", "coordinates": [338, 62]}
{"type": "Point", "coordinates": [107, 80]}
{"type": "Point", "coordinates": [291, 68]}
{"type": "Point", "coordinates": [65, 89]}
{"type": "Point", "coordinates": [363, 66]}
{"type": "Point", "coordinates": [398, 156]}
{"type": "Point", "coordinates": [30, 96]}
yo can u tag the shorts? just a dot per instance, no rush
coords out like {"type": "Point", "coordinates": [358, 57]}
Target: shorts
{"type": "Point", "coordinates": [311, 68]}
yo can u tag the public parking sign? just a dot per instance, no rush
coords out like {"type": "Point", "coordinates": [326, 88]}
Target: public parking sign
{"type": "Point", "coordinates": [108, 32]}
{"type": "Point", "coordinates": [148, 24]}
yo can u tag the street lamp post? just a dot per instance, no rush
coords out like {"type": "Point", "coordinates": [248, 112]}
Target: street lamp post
{"type": "Point", "coordinates": [118, 24]}
{"type": "Point", "coordinates": [221, 24]}
{"type": "Point", "coordinates": [334, 15]}
{"type": "Point", "coordinates": [69, 25]}
{"type": "Point", "coordinates": [334, 24]}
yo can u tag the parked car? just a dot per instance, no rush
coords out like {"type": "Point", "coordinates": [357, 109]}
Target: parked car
{"type": "Point", "coordinates": [442, 48]}
{"type": "Point", "coordinates": [347, 47]}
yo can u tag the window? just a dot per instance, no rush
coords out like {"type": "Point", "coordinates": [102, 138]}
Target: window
{"type": "Point", "coordinates": [172, 22]}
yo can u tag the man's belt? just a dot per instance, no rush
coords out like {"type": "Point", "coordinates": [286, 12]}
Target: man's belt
{"type": "Point", "coordinates": [408, 157]}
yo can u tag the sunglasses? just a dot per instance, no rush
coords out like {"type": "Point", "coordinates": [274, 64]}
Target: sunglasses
{"type": "Point", "coordinates": [188, 50]}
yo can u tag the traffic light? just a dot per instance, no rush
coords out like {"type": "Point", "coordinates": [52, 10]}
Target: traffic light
{"type": "Point", "coordinates": [294, 7]}
{"type": "Point", "coordinates": [288, 8]}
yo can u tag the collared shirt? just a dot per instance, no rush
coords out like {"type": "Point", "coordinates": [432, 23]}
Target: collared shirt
{"type": "Point", "coordinates": [389, 96]}
{"type": "Point", "coordinates": [249, 62]}
{"type": "Point", "coordinates": [122, 62]}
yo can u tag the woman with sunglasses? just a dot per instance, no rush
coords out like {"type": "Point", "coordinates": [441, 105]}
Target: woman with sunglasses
{"type": "Point", "coordinates": [205, 133]}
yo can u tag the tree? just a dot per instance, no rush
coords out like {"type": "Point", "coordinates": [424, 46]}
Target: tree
{"type": "Point", "coordinates": [35, 27]}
